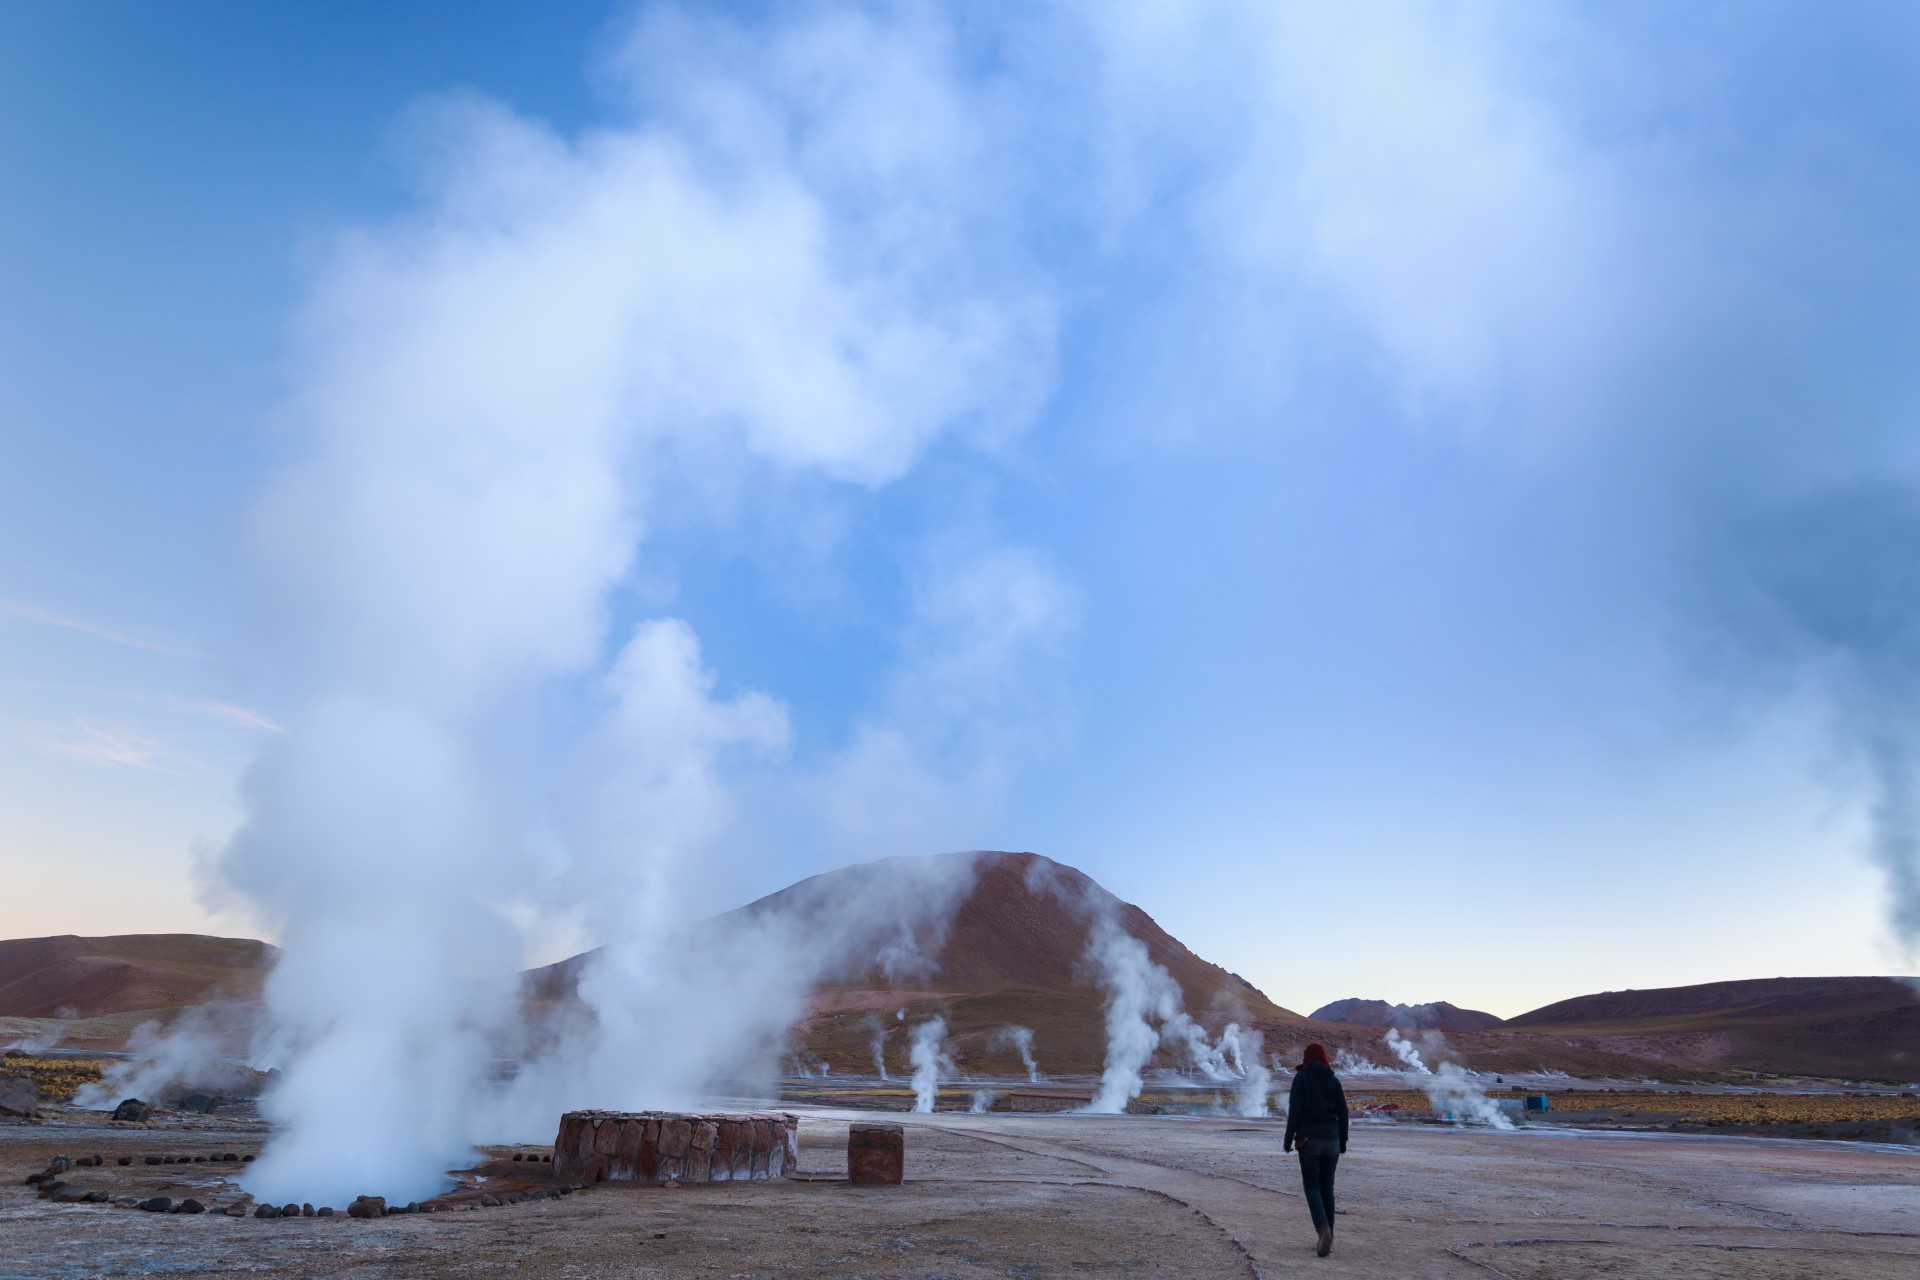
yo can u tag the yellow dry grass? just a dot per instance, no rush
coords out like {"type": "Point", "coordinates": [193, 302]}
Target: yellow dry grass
{"type": "Point", "coordinates": [56, 1078]}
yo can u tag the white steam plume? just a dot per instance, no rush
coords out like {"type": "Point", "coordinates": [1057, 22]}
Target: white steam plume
{"type": "Point", "coordinates": [197, 1053]}
{"type": "Point", "coordinates": [1139, 993]}
{"type": "Point", "coordinates": [497, 398]}
{"type": "Point", "coordinates": [1451, 1088]}
{"type": "Point", "coordinates": [928, 1053]}
{"type": "Point", "coordinates": [1019, 1039]}
{"type": "Point", "coordinates": [877, 1045]}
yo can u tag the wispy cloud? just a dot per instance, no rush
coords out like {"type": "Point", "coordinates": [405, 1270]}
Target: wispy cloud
{"type": "Point", "coordinates": [119, 747]}
{"type": "Point", "coordinates": [46, 617]}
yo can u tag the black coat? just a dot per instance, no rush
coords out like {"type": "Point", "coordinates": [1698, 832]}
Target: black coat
{"type": "Point", "coordinates": [1316, 1106]}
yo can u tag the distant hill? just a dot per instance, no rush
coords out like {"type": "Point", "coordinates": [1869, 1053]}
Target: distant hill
{"type": "Point", "coordinates": [1858, 1027]}
{"type": "Point", "coordinates": [1437, 1016]}
{"type": "Point", "coordinates": [1013, 952]}
{"type": "Point", "coordinates": [75, 977]}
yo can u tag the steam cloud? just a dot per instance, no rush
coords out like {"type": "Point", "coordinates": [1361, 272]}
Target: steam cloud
{"type": "Point", "coordinates": [1020, 1039]}
{"type": "Point", "coordinates": [928, 1053]}
{"type": "Point", "coordinates": [1450, 1088]}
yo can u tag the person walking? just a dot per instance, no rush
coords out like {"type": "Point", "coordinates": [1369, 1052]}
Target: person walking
{"type": "Point", "coordinates": [1317, 1124]}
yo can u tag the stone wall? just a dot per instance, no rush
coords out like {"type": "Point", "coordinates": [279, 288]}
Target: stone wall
{"type": "Point", "coordinates": [658, 1146]}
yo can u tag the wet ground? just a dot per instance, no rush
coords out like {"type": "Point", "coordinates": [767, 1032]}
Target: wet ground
{"type": "Point", "coordinates": [1037, 1196]}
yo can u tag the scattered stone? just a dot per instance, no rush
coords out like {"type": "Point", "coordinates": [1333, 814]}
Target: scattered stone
{"type": "Point", "coordinates": [127, 1202]}
{"type": "Point", "coordinates": [229, 1156]}
{"type": "Point", "coordinates": [153, 1159]}
{"type": "Point", "coordinates": [306, 1210]}
{"type": "Point", "coordinates": [71, 1195]}
{"type": "Point", "coordinates": [235, 1211]}
{"type": "Point", "coordinates": [547, 1158]}
{"type": "Point", "coordinates": [199, 1104]}
{"type": "Point", "coordinates": [124, 1160]}
{"type": "Point", "coordinates": [98, 1197]}
{"type": "Point", "coordinates": [491, 1202]}
{"type": "Point", "coordinates": [190, 1205]}
{"type": "Point", "coordinates": [367, 1207]}
{"type": "Point", "coordinates": [159, 1204]}
{"type": "Point", "coordinates": [199, 1159]}
{"type": "Point", "coordinates": [166, 1159]}
{"type": "Point", "coordinates": [289, 1210]}
{"type": "Point", "coordinates": [518, 1156]}
{"type": "Point", "coordinates": [51, 1186]}
{"type": "Point", "coordinates": [324, 1211]}
{"type": "Point", "coordinates": [266, 1211]}
{"type": "Point", "coordinates": [35, 1179]}
{"type": "Point", "coordinates": [59, 1164]}
{"type": "Point", "coordinates": [132, 1110]}
{"type": "Point", "coordinates": [246, 1159]}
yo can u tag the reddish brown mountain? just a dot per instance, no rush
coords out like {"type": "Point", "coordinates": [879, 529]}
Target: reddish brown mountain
{"type": "Point", "coordinates": [1439, 1015]}
{"type": "Point", "coordinates": [78, 977]}
{"type": "Point", "coordinates": [1851, 1027]}
{"type": "Point", "coordinates": [1012, 952]}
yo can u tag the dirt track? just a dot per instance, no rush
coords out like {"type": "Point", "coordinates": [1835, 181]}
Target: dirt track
{"type": "Point", "coordinates": [1042, 1196]}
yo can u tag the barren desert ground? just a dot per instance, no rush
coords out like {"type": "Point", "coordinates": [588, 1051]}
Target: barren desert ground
{"type": "Point", "coordinates": [1042, 1196]}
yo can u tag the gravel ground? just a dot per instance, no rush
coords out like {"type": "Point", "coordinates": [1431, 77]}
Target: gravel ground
{"type": "Point", "coordinates": [1046, 1196]}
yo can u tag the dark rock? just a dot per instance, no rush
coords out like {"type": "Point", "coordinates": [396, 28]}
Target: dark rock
{"type": "Point", "coordinates": [367, 1207]}
{"type": "Point", "coordinates": [229, 1156]}
{"type": "Point", "coordinates": [547, 1158]}
{"type": "Point", "coordinates": [235, 1211]}
{"type": "Point", "coordinates": [98, 1197]}
{"type": "Point", "coordinates": [124, 1160]}
{"type": "Point", "coordinates": [166, 1159]}
{"type": "Point", "coordinates": [71, 1195]}
{"type": "Point", "coordinates": [490, 1202]}
{"type": "Point", "coordinates": [199, 1103]}
{"type": "Point", "coordinates": [246, 1159]}
{"type": "Point", "coordinates": [127, 1202]}
{"type": "Point", "coordinates": [51, 1186]}
{"type": "Point", "coordinates": [518, 1156]}
{"type": "Point", "coordinates": [566, 1191]}
{"type": "Point", "coordinates": [19, 1097]}
{"type": "Point", "coordinates": [35, 1179]}
{"type": "Point", "coordinates": [159, 1204]}
{"type": "Point", "coordinates": [266, 1211]}
{"type": "Point", "coordinates": [190, 1205]}
{"type": "Point", "coordinates": [59, 1164]}
{"type": "Point", "coordinates": [306, 1210]}
{"type": "Point", "coordinates": [324, 1211]}
{"type": "Point", "coordinates": [289, 1210]}
{"type": "Point", "coordinates": [153, 1159]}
{"type": "Point", "coordinates": [132, 1110]}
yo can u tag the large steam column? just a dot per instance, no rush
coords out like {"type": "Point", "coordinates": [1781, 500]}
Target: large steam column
{"type": "Point", "coordinates": [659, 1147]}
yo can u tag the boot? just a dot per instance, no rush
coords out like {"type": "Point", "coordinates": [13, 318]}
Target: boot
{"type": "Point", "coordinates": [1326, 1241]}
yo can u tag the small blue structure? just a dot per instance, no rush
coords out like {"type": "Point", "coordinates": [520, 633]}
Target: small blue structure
{"type": "Point", "coordinates": [1538, 1102]}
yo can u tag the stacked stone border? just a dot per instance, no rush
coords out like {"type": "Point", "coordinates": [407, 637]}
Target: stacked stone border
{"type": "Point", "coordinates": [663, 1148]}
{"type": "Point", "coordinates": [55, 1183]}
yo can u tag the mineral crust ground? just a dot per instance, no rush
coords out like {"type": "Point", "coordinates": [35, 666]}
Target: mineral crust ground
{"type": "Point", "coordinates": [1038, 1196]}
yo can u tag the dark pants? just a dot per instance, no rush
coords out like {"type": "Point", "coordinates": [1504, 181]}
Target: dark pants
{"type": "Point", "coordinates": [1317, 1161]}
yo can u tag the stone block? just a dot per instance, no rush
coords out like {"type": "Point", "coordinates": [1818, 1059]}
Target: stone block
{"type": "Point", "coordinates": [876, 1155]}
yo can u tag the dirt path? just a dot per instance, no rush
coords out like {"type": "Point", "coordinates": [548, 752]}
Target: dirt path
{"type": "Point", "coordinates": [1037, 1197]}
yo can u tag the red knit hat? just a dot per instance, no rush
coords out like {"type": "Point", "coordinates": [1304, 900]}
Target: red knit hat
{"type": "Point", "coordinates": [1316, 1053]}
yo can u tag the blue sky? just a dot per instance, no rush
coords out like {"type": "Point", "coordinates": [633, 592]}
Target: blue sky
{"type": "Point", "coordinates": [1417, 498]}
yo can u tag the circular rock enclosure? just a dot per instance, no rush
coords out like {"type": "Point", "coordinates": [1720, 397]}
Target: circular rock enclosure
{"type": "Point", "coordinates": [659, 1147]}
